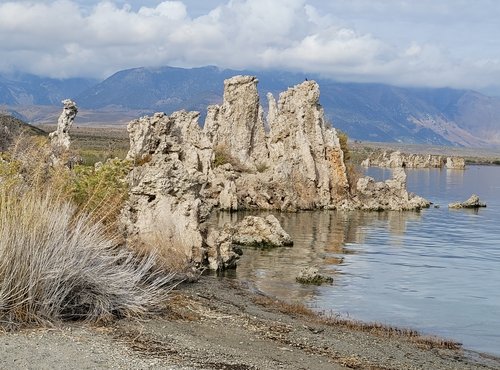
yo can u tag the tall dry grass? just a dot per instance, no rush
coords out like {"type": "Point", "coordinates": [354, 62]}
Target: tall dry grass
{"type": "Point", "coordinates": [57, 261]}
{"type": "Point", "coordinates": [58, 265]}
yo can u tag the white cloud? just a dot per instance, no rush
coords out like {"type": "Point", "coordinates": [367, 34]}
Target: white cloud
{"type": "Point", "coordinates": [394, 41]}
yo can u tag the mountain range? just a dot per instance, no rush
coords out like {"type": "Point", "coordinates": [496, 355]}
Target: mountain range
{"type": "Point", "coordinates": [368, 112]}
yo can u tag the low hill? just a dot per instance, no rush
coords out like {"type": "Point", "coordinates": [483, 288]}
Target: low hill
{"type": "Point", "coordinates": [11, 127]}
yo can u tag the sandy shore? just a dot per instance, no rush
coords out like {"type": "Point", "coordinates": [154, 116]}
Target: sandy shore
{"type": "Point", "coordinates": [220, 324]}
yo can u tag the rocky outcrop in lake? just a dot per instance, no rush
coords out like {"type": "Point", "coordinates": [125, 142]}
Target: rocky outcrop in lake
{"type": "Point", "coordinates": [297, 165]}
{"type": "Point", "coordinates": [472, 202]}
{"type": "Point", "coordinates": [182, 172]}
{"type": "Point", "coordinates": [455, 163]}
{"type": "Point", "coordinates": [387, 195]}
{"type": "Point", "coordinates": [397, 159]}
{"type": "Point", "coordinates": [224, 243]}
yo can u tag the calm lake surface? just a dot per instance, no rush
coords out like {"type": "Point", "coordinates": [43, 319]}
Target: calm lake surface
{"type": "Point", "coordinates": [437, 271]}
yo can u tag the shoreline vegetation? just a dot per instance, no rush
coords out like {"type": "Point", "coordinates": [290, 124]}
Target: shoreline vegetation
{"type": "Point", "coordinates": [63, 267]}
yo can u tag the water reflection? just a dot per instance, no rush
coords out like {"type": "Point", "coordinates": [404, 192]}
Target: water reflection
{"type": "Point", "coordinates": [321, 238]}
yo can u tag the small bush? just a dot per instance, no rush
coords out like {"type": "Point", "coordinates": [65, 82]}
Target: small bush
{"type": "Point", "coordinates": [222, 155]}
{"type": "Point", "coordinates": [102, 190]}
{"type": "Point", "coordinates": [353, 172]}
{"type": "Point", "coordinates": [343, 139]}
{"type": "Point", "coordinates": [353, 175]}
{"type": "Point", "coordinates": [91, 156]}
{"type": "Point", "coordinates": [262, 167]}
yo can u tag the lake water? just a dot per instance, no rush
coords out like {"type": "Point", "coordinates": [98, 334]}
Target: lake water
{"type": "Point", "coordinates": [437, 271]}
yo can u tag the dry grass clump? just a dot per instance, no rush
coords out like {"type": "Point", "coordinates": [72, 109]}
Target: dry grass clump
{"type": "Point", "coordinates": [171, 253]}
{"type": "Point", "coordinates": [57, 265]}
{"type": "Point", "coordinates": [222, 156]}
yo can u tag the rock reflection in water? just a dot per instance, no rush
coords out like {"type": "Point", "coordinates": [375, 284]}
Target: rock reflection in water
{"type": "Point", "coordinates": [321, 238]}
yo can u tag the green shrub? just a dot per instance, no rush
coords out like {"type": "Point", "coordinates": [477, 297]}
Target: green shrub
{"type": "Point", "coordinates": [221, 156]}
{"type": "Point", "coordinates": [101, 190]}
{"type": "Point", "coordinates": [262, 167]}
{"type": "Point", "coordinates": [90, 156]}
{"type": "Point", "coordinates": [343, 139]}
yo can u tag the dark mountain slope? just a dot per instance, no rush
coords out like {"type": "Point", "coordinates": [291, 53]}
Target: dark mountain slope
{"type": "Point", "coordinates": [374, 112]}
{"type": "Point", "coordinates": [11, 127]}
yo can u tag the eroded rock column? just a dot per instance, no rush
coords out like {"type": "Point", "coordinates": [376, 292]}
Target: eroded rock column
{"type": "Point", "coordinates": [60, 138]}
{"type": "Point", "coordinates": [237, 126]}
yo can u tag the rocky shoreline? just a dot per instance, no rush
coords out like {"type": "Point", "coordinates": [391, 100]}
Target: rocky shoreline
{"type": "Point", "coordinates": [218, 323]}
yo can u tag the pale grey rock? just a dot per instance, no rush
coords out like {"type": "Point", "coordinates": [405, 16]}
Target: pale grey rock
{"type": "Point", "coordinates": [308, 164]}
{"type": "Point", "coordinates": [387, 195]}
{"type": "Point", "coordinates": [455, 163]}
{"type": "Point", "coordinates": [172, 158]}
{"type": "Point", "coordinates": [228, 200]}
{"type": "Point", "coordinates": [261, 232]}
{"type": "Point", "coordinates": [60, 138]}
{"type": "Point", "coordinates": [224, 243]}
{"type": "Point", "coordinates": [472, 202]}
{"type": "Point", "coordinates": [311, 275]}
{"type": "Point", "coordinates": [298, 166]}
{"type": "Point", "coordinates": [222, 253]}
{"type": "Point", "coordinates": [237, 126]}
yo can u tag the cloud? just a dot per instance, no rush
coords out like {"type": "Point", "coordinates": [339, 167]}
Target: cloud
{"type": "Point", "coordinates": [343, 39]}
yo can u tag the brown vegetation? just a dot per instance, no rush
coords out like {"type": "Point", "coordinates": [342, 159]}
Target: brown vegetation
{"type": "Point", "coordinates": [352, 167]}
{"type": "Point", "coordinates": [58, 261]}
{"type": "Point", "coordinates": [372, 328]}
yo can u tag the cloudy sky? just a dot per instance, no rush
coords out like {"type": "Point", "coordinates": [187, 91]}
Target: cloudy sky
{"type": "Point", "coordinates": [435, 43]}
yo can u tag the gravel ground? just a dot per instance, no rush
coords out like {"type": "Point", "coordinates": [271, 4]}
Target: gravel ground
{"type": "Point", "coordinates": [219, 324]}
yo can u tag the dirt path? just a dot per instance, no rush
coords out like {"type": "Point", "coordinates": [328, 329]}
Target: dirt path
{"type": "Point", "coordinates": [217, 324]}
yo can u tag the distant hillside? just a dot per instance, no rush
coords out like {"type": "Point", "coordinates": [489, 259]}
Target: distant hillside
{"type": "Point", "coordinates": [26, 89]}
{"type": "Point", "coordinates": [368, 112]}
{"type": "Point", "coordinates": [11, 127]}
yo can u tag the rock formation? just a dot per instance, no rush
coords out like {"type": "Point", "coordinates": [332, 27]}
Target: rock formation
{"type": "Point", "coordinates": [237, 126]}
{"type": "Point", "coordinates": [182, 172]}
{"type": "Point", "coordinates": [261, 232]}
{"type": "Point", "coordinates": [304, 151]}
{"type": "Point", "coordinates": [397, 159]}
{"type": "Point", "coordinates": [455, 163]}
{"type": "Point", "coordinates": [172, 160]}
{"type": "Point", "coordinates": [387, 195]}
{"type": "Point", "coordinates": [311, 275]}
{"type": "Point", "coordinates": [60, 138]}
{"type": "Point", "coordinates": [298, 165]}
{"type": "Point", "coordinates": [472, 202]}
{"type": "Point", "coordinates": [224, 244]}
